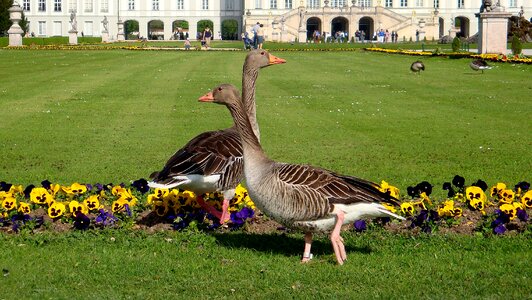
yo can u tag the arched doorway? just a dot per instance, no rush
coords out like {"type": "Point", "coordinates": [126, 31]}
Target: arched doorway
{"type": "Point", "coordinates": [340, 24]}
{"type": "Point", "coordinates": [131, 29]}
{"type": "Point", "coordinates": [201, 26]}
{"type": "Point", "coordinates": [366, 25]}
{"type": "Point", "coordinates": [463, 24]}
{"type": "Point", "coordinates": [156, 30]}
{"type": "Point", "coordinates": [230, 30]}
{"type": "Point", "coordinates": [313, 24]}
{"type": "Point", "coordinates": [180, 29]}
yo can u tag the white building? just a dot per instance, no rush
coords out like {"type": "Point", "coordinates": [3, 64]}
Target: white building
{"type": "Point", "coordinates": [284, 20]}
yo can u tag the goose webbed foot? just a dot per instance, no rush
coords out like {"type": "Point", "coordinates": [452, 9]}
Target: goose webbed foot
{"type": "Point", "coordinates": [307, 256]}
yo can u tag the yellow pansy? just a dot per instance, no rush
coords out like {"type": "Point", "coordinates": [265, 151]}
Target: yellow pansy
{"type": "Point", "coordinates": [392, 190]}
{"type": "Point", "coordinates": [24, 208]}
{"type": "Point", "coordinates": [16, 189]}
{"type": "Point", "coordinates": [119, 205]}
{"type": "Point", "coordinates": [408, 208]}
{"type": "Point", "coordinates": [496, 189]}
{"type": "Point", "coordinates": [510, 210]}
{"type": "Point", "coordinates": [477, 204]}
{"type": "Point", "coordinates": [527, 199]}
{"type": "Point", "coordinates": [506, 196]}
{"type": "Point", "coordinates": [9, 203]}
{"type": "Point", "coordinates": [76, 207]}
{"type": "Point", "coordinates": [40, 195]}
{"type": "Point", "coordinates": [92, 203]}
{"type": "Point", "coordinates": [477, 194]}
{"type": "Point", "coordinates": [56, 210]}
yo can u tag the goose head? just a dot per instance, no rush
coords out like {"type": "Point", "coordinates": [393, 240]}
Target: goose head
{"type": "Point", "coordinates": [225, 94]}
{"type": "Point", "coordinates": [261, 58]}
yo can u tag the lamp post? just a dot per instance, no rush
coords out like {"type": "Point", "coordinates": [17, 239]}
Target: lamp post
{"type": "Point", "coordinates": [15, 32]}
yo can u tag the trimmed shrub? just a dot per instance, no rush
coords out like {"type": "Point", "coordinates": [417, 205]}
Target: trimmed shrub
{"type": "Point", "coordinates": [456, 44]}
{"type": "Point", "coordinates": [517, 47]}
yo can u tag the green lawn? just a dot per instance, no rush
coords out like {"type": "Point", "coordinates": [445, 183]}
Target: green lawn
{"type": "Point", "coordinates": [134, 265]}
{"type": "Point", "coordinates": [113, 116]}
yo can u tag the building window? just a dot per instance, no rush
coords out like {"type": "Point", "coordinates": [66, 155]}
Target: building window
{"type": "Point", "coordinates": [155, 5]}
{"type": "Point", "coordinates": [436, 3]}
{"type": "Point", "coordinates": [365, 3]}
{"type": "Point", "coordinates": [460, 3]}
{"type": "Point", "coordinates": [26, 5]}
{"type": "Point", "coordinates": [57, 5]}
{"type": "Point", "coordinates": [338, 3]}
{"type": "Point", "coordinates": [388, 3]}
{"type": "Point", "coordinates": [205, 4]}
{"type": "Point", "coordinates": [512, 3]}
{"type": "Point", "coordinates": [404, 3]}
{"type": "Point", "coordinates": [42, 5]}
{"type": "Point", "coordinates": [313, 3]}
{"type": "Point", "coordinates": [229, 5]}
{"type": "Point", "coordinates": [273, 4]}
{"type": "Point", "coordinates": [104, 6]}
{"type": "Point", "coordinates": [131, 5]}
{"type": "Point", "coordinates": [419, 3]}
{"type": "Point", "coordinates": [42, 27]}
{"type": "Point", "coordinates": [287, 3]}
{"type": "Point", "coordinates": [88, 6]}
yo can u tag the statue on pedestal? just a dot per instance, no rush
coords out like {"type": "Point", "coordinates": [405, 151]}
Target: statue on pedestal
{"type": "Point", "coordinates": [73, 21]}
{"type": "Point", "coordinates": [486, 6]}
{"type": "Point", "coordinates": [105, 24]}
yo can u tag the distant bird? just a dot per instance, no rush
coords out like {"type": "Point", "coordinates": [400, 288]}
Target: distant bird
{"type": "Point", "coordinates": [479, 64]}
{"type": "Point", "coordinates": [303, 197]}
{"type": "Point", "coordinates": [417, 67]}
{"type": "Point", "coordinates": [212, 161]}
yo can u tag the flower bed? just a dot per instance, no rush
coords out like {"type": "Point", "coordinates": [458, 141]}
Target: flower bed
{"type": "Point", "coordinates": [467, 209]}
{"type": "Point", "coordinates": [523, 59]}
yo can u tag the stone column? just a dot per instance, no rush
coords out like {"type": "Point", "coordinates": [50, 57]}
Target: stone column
{"type": "Point", "coordinates": [493, 31]}
{"type": "Point", "coordinates": [15, 32]}
{"type": "Point", "coordinates": [120, 36]}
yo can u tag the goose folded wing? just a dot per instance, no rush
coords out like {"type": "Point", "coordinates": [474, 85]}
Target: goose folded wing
{"type": "Point", "coordinates": [207, 154]}
{"type": "Point", "coordinates": [337, 189]}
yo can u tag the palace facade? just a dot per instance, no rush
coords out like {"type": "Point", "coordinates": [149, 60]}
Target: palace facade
{"type": "Point", "coordinates": [284, 20]}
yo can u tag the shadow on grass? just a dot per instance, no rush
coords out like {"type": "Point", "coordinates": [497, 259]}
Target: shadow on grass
{"type": "Point", "coordinates": [281, 243]}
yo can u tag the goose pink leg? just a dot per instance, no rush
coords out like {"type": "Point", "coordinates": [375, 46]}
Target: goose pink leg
{"type": "Point", "coordinates": [308, 243]}
{"type": "Point", "coordinates": [336, 240]}
{"type": "Point", "coordinates": [225, 211]}
{"type": "Point", "coordinates": [208, 208]}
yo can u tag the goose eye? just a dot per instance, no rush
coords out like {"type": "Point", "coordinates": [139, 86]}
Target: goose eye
{"type": "Point", "coordinates": [219, 89]}
{"type": "Point", "coordinates": [262, 53]}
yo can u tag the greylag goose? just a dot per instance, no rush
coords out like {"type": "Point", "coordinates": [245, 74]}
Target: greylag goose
{"type": "Point", "coordinates": [417, 67]}
{"type": "Point", "coordinates": [301, 196]}
{"type": "Point", "coordinates": [479, 64]}
{"type": "Point", "coordinates": [212, 161]}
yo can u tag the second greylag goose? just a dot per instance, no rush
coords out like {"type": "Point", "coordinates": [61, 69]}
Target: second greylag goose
{"type": "Point", "coordinates": [479, 64]}
{"type": "Point", "coordinates": [301, 196]}
{"type": "Point", "coordinates": [417, 67]}
{"type": "Point", "coordinates": [212, 161]}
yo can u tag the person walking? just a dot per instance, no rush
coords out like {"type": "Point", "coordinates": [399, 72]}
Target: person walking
{"type": "Point", "coordinates": [207, 36]}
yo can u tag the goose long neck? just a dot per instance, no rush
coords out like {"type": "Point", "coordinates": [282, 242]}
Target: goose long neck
{"type": "Point", "coordinates": [248, 97]}
{"type": "Point", "coordinates": [250, 143]}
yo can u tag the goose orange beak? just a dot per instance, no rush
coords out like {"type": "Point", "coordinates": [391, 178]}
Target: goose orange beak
{"type": "Point", "coordinates": [209, 97]}
{"type": "Point", "coordinates": [274, 60]}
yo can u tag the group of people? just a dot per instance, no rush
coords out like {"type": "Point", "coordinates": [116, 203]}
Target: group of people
{"type": "Point", "coordinates": [257, 41]}
{"type": "Point", "coordinates": [384, 36]}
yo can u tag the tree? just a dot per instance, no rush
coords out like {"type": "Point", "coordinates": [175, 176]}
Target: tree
{"type": "Point", "coordinates": [205, 23]}
{"type": "Point", "coordinates": [5, 23]}
{"type": "Point", "coordinates": [520, 27]}
{"type": "Point", "coordinates": [229, 30]}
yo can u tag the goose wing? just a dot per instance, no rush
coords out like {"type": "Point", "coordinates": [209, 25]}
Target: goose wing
{"type": "Point", "coordinates": [336, 188]}
{"type": "Point", "coordinates": [209, 153]}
